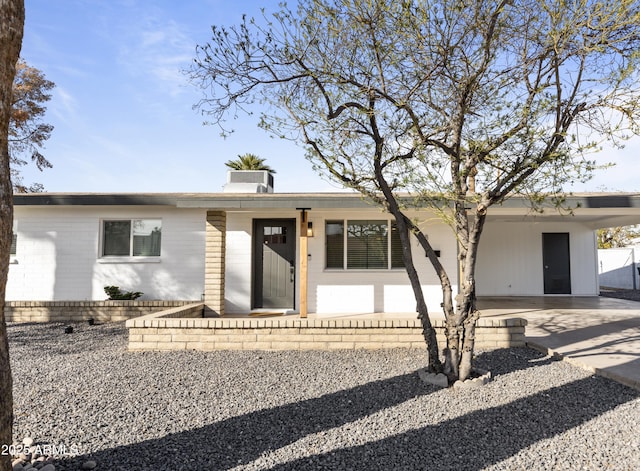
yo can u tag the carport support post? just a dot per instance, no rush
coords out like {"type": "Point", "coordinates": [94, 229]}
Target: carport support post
{"type": "Point", "coordinates": [215, 244]}
{"type": "Point", "coordinates": [304, 249]}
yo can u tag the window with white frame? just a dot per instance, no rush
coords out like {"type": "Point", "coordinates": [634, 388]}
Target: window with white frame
{"type": "Point", "coordinates": [362, 245]}
{"type": "Point", "coordinates": [131, 237]}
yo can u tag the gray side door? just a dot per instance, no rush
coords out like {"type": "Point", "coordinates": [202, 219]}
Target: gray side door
{"type": "Point", "coordinates": [274, 246]}
{"type": "Point", "coordinates": [556, 263]}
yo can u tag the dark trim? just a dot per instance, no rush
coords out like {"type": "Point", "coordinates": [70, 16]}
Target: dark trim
{"type": "Point", "coordinates": [248, 201]}
{"type": "Point", "coordinates": [114, 199]}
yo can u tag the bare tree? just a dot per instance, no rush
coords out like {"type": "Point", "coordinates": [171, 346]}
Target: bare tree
{"type": "Point", "coordinates": [452, 105]}
{"type": "Point", "coordinates": [11, 30]}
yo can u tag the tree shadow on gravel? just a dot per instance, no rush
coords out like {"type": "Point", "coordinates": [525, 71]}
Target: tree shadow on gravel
{"type": "Point", "coordinates": [482, 438]}
{"type": "Point", "coordinates": [243, 439]}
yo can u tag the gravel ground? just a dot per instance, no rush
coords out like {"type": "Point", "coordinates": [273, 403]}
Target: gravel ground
{"type": "Point", "coordinates": [340, 410]}
{"type": "Point", "coordinates": [629, 294]}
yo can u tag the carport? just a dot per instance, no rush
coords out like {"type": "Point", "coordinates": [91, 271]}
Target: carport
{"type": "Point", "coordinates": [598, 333]}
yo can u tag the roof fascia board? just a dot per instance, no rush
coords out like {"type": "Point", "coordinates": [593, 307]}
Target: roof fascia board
{"type": "Point", "coordinates": [287, 201]}
{"type": "Point", "coordinates": [51, 199]}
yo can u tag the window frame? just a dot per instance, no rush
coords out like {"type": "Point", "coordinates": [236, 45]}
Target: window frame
{"type": "Point", "coordinates": [13, 251]}
{"type": "Point", "coordinates": [392, 263]}
{"type": "Point", "coordinates": [131, 256]}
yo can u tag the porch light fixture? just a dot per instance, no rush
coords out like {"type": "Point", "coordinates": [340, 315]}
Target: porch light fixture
{"type": "Point", "coordinates": [304, 219]}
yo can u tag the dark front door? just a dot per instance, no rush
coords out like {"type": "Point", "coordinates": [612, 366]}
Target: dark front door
{"type": "Point", "coordinates": [274, 246]}
{"type": "Point", "coordinates": [556, 263]}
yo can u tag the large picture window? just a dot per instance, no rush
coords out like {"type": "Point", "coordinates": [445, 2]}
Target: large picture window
{"type": "Point", "coordinates": [132, 238]}
{"type": "Point", "coordinates": [364, 245]}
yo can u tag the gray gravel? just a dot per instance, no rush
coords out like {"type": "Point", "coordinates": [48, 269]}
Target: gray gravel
{"type": "Point", "coordinates": [628, 294]}
{"type": "Point", "coordinates": [309, 410]}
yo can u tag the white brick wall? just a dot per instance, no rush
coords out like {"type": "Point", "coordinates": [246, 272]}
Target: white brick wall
{"type": "Point", "coordinates": [342, 291]}
{"type": "Point", "coordinates": [58, 259]}
{"type": "Point", "coordinates": [58, 255]}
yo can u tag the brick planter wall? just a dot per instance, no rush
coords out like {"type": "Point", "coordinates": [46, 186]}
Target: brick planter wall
{"type": "Point", "coordinates": [159, 332]}
{"type": "Point", "coordinates": [64, 311]}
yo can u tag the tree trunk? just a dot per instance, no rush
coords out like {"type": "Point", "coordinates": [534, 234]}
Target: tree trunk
{"type": "Point", "coordinates": [466, 313]}
{"type": "Point", "coordinates": [428, 332]}
{"type": "Point", "coordinates": [434, 364]}
{"type": "Point", "coordinates": [11, 30]}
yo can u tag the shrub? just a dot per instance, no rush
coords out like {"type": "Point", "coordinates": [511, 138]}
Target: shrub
{"type": "Point", "coordinates": [115, 293]}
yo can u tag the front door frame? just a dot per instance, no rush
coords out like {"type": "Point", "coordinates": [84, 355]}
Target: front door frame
{"type": "Point", "coordinates": [556, 262]}
{"type": "Point", "coordinates": [257, 300]}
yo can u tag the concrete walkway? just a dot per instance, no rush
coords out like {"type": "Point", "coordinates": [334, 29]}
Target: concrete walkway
{"type": "Point", "coordinates": [597, 333]}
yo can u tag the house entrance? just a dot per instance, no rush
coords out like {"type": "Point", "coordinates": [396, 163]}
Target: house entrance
{"type": "Point", "coordinates": [556, 263]}
{"type": "Point", "coordinates": [274, 263]}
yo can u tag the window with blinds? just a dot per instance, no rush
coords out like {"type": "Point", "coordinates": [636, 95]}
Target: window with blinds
{"type": "Point", "coordinates": [334, 244]}
{"type": "Point", "coordinates": [364, 245]}
{"type": "Point", "coordinates": [396, 248]}
{"type": "Point", "coordinates": [367, 244]}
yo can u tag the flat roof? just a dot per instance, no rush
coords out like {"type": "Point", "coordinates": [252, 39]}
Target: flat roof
{"type": "Point", "coordinates": [246, 201]}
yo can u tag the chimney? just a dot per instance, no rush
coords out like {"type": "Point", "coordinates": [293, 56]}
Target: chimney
{"type": "Point", "coordinates": [248, 181]}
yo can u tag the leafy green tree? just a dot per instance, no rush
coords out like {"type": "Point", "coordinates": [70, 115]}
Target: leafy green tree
{"type": "Point", "coordinates": [448, 104]}
{"type": "Point", "coordinates": [11, 31]}
{"type": "Point", "coordinates": [248, 162]}
{"type": "Point", "coordinates": [27, 131]}
{"type": "Point", "coordinates": [614, 237]}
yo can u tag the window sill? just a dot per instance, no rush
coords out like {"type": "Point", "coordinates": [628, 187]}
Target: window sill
{"type": "Point", "coordinates": [129, 260]}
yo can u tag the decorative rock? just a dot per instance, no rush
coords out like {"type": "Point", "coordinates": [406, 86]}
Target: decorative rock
{"type": "Point", "coordinates": [435, 379]}
{"type": "Point", "coordinates": [484, 378]}
{"type": "Point", "coordinates": [48, 467]}
{"type": "Point", "coordinates": [68, 330]}
{"type": "Point", "coordinates": [27, 441]}
{"type": "Point", "coordinates": [17, 465]}
{"type": "Point", "coordinates": [89, 464]}
{"type": "Point", "coordinates": [468, 384]}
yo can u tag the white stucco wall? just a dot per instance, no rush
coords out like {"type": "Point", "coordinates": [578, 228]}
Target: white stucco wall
{"type": "Point", "coordinates": [510, 258]}
{"type": "Point", "coordinates": [618, 268]}
{"type": "Point", "coordinates": [238, 263]}
{"type": "Point", "coordinates": [58, 256]}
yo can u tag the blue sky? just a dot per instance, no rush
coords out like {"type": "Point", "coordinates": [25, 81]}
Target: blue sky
{"type": "Point", "coordinates": [122, 108]}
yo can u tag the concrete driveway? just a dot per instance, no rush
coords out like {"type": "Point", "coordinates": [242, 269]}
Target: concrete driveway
{"type": "Point", "coordinates": [598, 333]}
